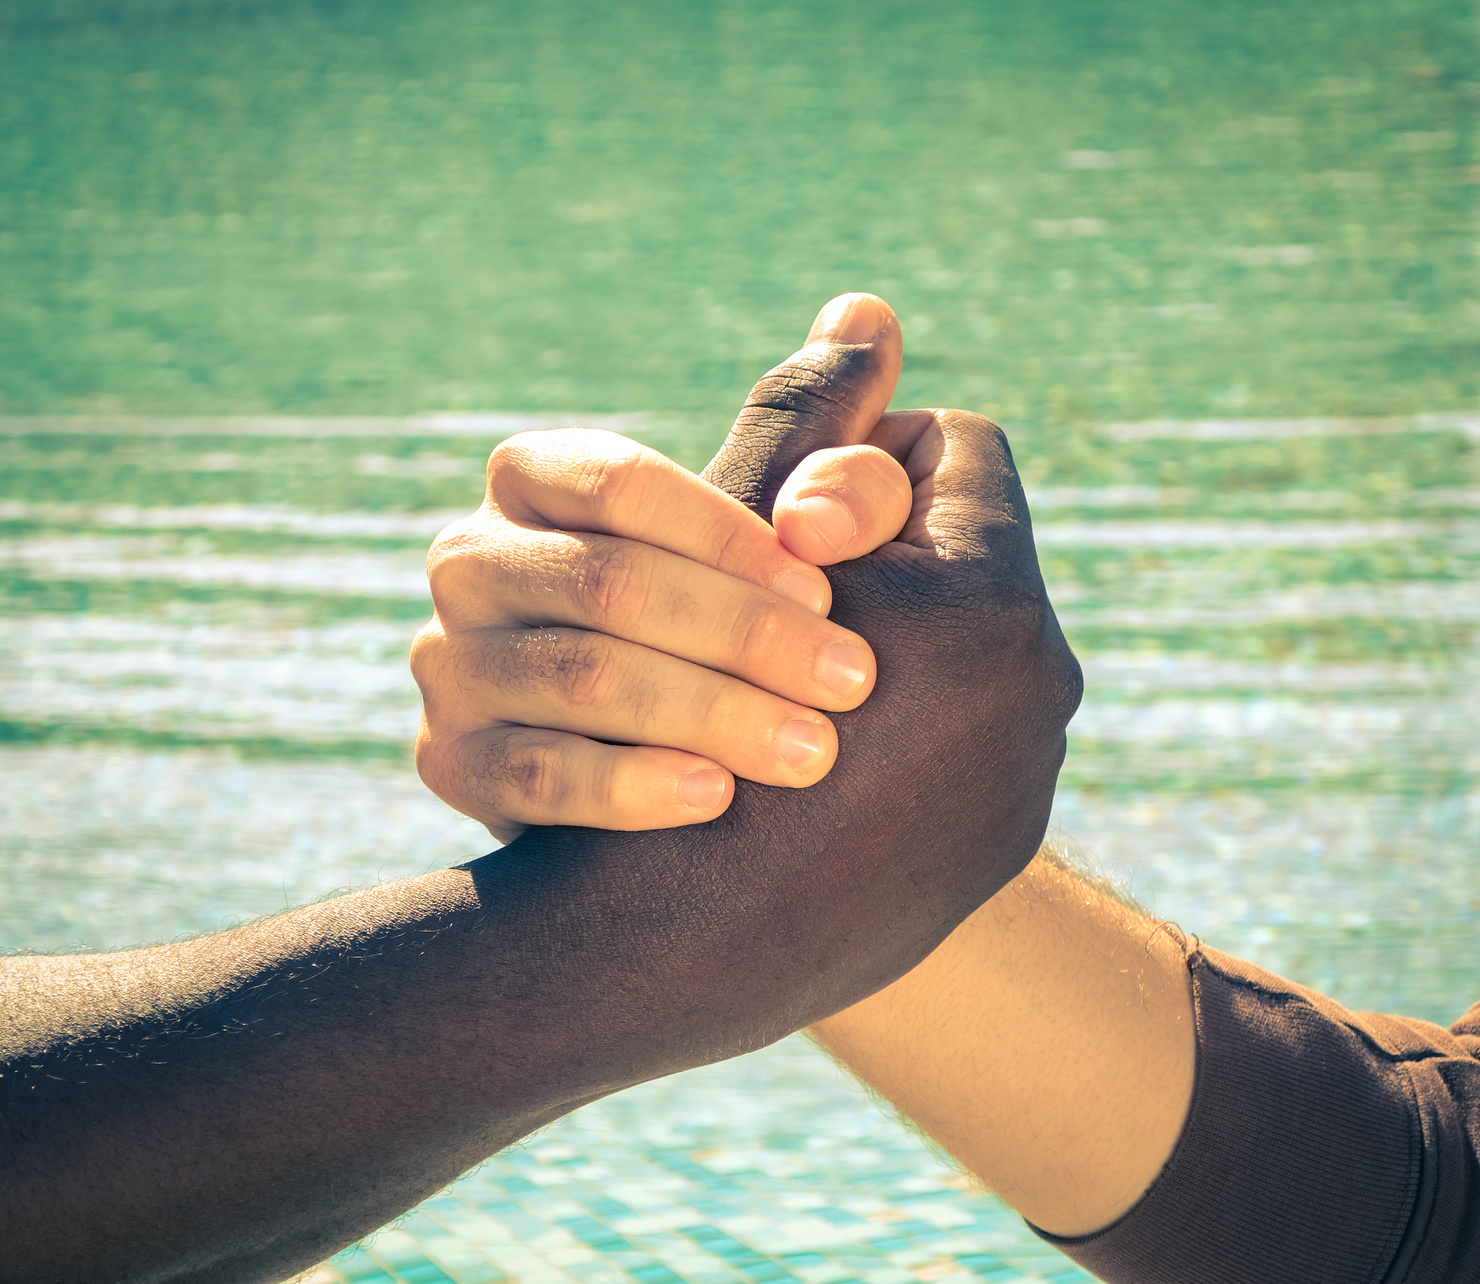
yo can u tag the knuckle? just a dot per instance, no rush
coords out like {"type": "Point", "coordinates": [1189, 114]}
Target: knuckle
{"type": "Point", "coordinates": [809, 401]}
{"type": "Point", "coordinates": [455, 532]}
{"type": "Point", "coordinates": [757, 636]}
{"type": "Point", "coordinates": [985, 441]}
{"type": "Point", "coordinates": [730, 711]}
{"type": "Point", "coordinates": [490, 776]}
{"type": "Point", "coordinates": [606, 482]}
{"type": "Point", "coordinates": [1068, 686]}
{"type": "Point", "coordinates": [612, 582]}
{"type": "Point", "coordinates": [517, 764]}
{"type": "Point", "coordinates": [451, 541]}
{"type": "Point", "coordinates": [968, 421]}
{"type": "Point", "coordinates": [455, 556]}
{"type": "Point", "coordinates": [605, 791]}
{"type": "Point", "coordinates": [428, 648]}
{"type": "Point", "coordinates": [1006, 617]}
{"type": "Point", "coordinates": [566, 667]}
{"type": "Point", "coordinates": [1063, 679]}
{"type": "Point", "coordinates": [816, 379]}
{"type": "Point", "coordinates": [513, 455]}
{"type": "Point", "coordinates": [447, 580]}
{"type": "Point", "coordinates": [734, 553]}
{"type": "Point", "coordinates": [521, 661]}
{"type": "Point", "coordinates": [584, 672]}
{"type": "Point", "coordinates": [430, 756]}
{"type": "Point", "coordinates": [1024, 610]}
{"type": "Point", "coordinates": [973, 602]}
{"type": "Point", "coordinates": [478, 667]}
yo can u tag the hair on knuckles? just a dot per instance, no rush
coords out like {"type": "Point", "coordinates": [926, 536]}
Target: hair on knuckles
{"type": "Point", "coordinates": [511, 762]}
{"type": "Point", "coordinates": [612, 582]}
{"type": "Point", "coordinates": [582, 668]}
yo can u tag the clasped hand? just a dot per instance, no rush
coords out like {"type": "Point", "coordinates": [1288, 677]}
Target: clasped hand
{"type": "Point", "coordinates": [616, 640]}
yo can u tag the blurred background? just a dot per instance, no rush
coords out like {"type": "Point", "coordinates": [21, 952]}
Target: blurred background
{"type": "Point", "coordinates": [276, 274]}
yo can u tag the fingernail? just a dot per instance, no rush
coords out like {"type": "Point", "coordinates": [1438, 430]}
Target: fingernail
{"type": "Point", "coordinates": [830, 518]}
{"type": "Point", "coordinates": [702, 789]}
{"type": "Point", "coordinates": [800, 742]}
{"type": "Point", "coordinates": [850, 318]}
{"type": "Point", "coordinates": [842, 668]}
{"type": "Point", "coordinates": [802, 589]}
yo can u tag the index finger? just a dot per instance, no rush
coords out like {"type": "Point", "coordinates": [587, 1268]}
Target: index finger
{"type": "Point", "coordinates": [596, 482]}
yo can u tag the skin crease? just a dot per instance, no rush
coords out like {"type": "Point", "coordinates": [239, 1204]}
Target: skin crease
{"type": "Point", "coordinates": [239, 1107]}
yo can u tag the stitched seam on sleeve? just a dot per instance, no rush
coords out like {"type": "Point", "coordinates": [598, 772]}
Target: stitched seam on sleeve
{"type": "Point", "coordinates": [1416, 1130]}
{"type": "Point", "coordinates": [1285, 998]}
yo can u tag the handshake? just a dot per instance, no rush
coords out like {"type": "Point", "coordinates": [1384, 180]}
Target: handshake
{"type": "Point", "coordinates": [741, 796]}
{"type": "Point", "coordinates": [603, 594]}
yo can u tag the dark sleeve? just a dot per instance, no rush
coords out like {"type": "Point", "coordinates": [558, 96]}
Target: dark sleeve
{"type": "Point", "coordinates": [1322, 1145]}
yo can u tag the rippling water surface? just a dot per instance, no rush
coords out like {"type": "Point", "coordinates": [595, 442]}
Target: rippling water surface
{"type": "Point", "coordinates": [266, 264]}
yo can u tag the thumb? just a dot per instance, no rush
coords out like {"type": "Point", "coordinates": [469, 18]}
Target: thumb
{"type": "Point", "coordinates": [831, 393]}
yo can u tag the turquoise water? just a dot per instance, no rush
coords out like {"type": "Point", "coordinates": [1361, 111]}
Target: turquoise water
{"type": "Point", "coordinates": [1085, 210]}
{"type": "Point", "coordinates": [275, 275]}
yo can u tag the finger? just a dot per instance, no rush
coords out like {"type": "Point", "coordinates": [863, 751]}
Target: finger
{"type": "Point", "coordinates": [513, 777]}
{"type": "Point", "coordinates": [967, 498]}
{"type": "Point", "coordinates": [656, 599]}
{"type": "Point", "coordinates": [914, 439]}
{"type": "Point", "coordinates": [830, 393]}
{"type": "Point", "coordinates": [842, 503]}
{"type": "Point", "coordinates": [584, 479]}
{"type": "Point", "coordinates": [593, 685]}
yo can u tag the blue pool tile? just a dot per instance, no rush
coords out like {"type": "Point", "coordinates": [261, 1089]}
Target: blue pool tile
{"type": "Point", "coordinates": [766, 1272]}
{"type": "Point", "coordinates": [516, 1185]}
{"type": "Point", "coordinates": [655, 1273]}
{"type": "Point", "coordinates": [423, 1273]}
{"type": "Point", "coordinates": [594, 1235]}
{"type": "Point", "coordinates": [604, 1207]}
{"type": "Point", "coordinates": [840, 1217]}
{"type": "Point", "coordinates": [916, 1229]}
{"type": "Point", "coordinates": [355, 1266]}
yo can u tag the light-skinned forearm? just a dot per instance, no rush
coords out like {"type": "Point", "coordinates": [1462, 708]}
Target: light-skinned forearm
{"type": "Point", "coordinates": [1048, 1045]}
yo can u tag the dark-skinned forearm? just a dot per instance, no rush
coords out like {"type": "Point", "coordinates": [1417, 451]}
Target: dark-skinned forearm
{"type": "Point", "coordinates": [253, 1101]}
{"type": "Point", "coordinates": [239, 1106]}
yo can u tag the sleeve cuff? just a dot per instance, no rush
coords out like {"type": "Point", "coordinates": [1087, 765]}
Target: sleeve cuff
{"type": "Point", "coordinates": [1301, 1157]}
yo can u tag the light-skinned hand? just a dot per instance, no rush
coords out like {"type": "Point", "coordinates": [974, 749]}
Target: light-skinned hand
{"type": "Point", "coordinates": [616, 639]}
